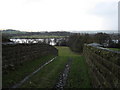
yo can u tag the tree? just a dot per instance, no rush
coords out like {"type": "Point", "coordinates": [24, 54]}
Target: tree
{"type": "Point", "coordinates": [5, 38]}
{"type": "Point", "coordinates": [102, 38]}
{"type": "Point", "coordinates": [76, 42]}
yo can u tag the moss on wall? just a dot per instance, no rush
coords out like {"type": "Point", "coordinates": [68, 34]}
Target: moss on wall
{"type": "Point", "coordinates": [104, 64]}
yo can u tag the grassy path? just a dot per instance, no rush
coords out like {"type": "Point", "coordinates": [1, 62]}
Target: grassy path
{"type": "Point", "coordinates": [49, 75]}
{"type": "Point", "coordinates": [64, 75]}
{"type": "Point", "coordinates": [78, 76]}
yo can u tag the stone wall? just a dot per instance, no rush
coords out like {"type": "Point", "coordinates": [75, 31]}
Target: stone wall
{"type": "Point", "coordinates": [16, 54]}
{"type": "Point", "coordinates": [104, 66]}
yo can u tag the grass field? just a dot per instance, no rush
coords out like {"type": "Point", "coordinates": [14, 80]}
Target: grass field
{"type": "Point", "coordinates": [48, 76]}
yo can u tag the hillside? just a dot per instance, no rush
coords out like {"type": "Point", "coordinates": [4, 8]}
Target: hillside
{"type": "Point", "coordinates": [22, 34]}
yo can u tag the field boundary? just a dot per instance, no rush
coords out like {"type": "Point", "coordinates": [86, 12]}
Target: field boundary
{"type": "Point", "coordinates": [16, 54]}
{"type": "Point", "coordinates": [104, 66]}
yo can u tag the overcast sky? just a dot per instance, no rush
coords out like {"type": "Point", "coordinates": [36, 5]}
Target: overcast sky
{"type": "Point", "coordinates": [59, 15]}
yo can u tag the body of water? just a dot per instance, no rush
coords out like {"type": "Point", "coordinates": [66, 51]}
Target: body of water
{"type": "Point", "coordinates": [50, 41]}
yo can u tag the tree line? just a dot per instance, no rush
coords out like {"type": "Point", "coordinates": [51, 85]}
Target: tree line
{"type": "Point", "coordinates": [77, 41]}
{"type": "Point", "coordinates": [45, 33]}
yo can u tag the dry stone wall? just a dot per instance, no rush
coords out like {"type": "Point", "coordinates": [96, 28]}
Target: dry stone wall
{"type": "Point", "coordinates": [104, 66]}
{"type": "Point", "coordinates": [16, 54]}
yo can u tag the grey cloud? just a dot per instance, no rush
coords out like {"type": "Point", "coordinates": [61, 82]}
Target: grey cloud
{"type": "Point", "coordinates": [106, 9]}
{"type": "Point", "coordinates": [109, 12]}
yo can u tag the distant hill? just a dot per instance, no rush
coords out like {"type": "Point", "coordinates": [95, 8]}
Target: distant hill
{"type": "Point", "coordinates": [11, 31]}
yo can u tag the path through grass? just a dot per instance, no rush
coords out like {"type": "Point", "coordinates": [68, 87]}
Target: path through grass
{"type": "Point", "coordinates": [49, 75]}
{"type": "Point", "coordinates": [78, 76]}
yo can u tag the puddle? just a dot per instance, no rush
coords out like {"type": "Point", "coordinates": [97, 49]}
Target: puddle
{"type": "Point", "coordinates": [63, 77]}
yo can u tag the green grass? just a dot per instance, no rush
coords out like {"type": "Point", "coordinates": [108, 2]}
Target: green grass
{"type": "Point", "coordinates": [78, 76]}
{"type": "Point", "coordinates": [65, 51]}
{"type": "Point", "coordinates": [21, 71]}
{"type": "Point", "coordinates": [48, 76]}
{"type": "Point", "coordinates": [115, 49]}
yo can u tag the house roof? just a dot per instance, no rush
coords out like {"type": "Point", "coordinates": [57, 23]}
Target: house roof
{"type": "Point", "coordinates": [95, 44]}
